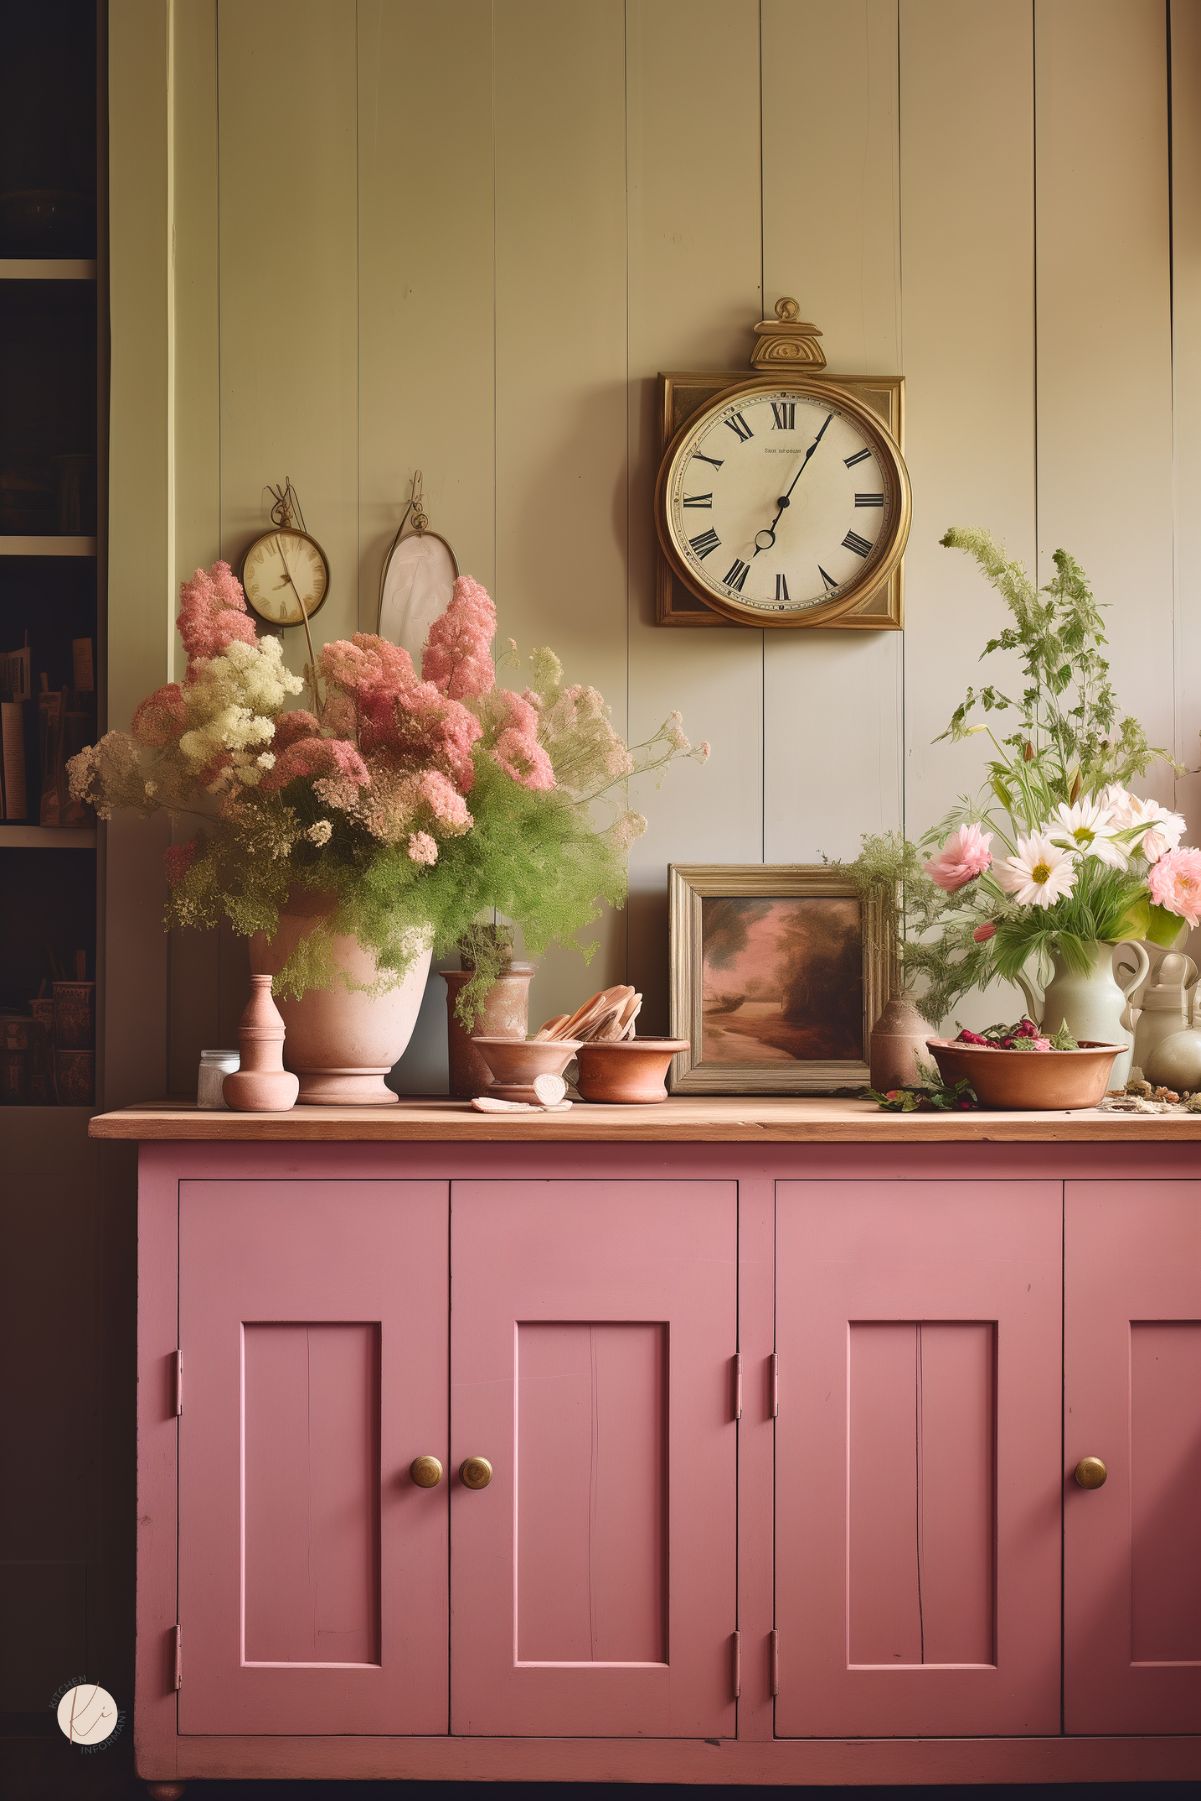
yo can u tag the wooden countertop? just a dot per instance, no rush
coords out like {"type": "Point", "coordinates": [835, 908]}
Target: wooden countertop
{"type": "Point", "coordinates": [694, 1119]}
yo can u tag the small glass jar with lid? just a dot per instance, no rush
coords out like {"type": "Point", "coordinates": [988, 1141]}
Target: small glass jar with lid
{"type": "Point", "coordinates": [210, 1078]}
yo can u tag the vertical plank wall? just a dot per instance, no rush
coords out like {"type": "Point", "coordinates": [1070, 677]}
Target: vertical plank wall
{"type": "Point", "coordinates": [468, 237]}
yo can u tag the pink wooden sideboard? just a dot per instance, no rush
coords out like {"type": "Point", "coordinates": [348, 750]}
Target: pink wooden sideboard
{"type": "Point", "coordinates": [759, 1426]}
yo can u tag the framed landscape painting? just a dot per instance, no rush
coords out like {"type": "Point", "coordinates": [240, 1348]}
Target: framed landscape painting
{"type": "Point", "coordinates": [777, 976]}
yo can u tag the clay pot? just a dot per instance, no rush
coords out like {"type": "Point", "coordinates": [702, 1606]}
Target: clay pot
{"type": "Point", "coordinates": [1041, 1081]}
{"type": "Point", "coordinates": [341, 1041]}
{"type": "Point", "coordinates": [504, 1014]}
{"type": "Point", "coordinates": [632, 1071]}
{"type": "Point", "coordinates": [898, 1043]}
{"type": "Point", "coordinates": [513, 1063]}
{"type": "Point", "coordinates": [260, 1084]}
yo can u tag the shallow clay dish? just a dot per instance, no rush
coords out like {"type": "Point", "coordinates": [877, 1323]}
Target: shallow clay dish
{"type": "Point", "coordinates": [515, 1062]}
{"type": "Point", "coordinates": [1041, 1081]}
{"type": "Point", "coordinates": [629, 1070]}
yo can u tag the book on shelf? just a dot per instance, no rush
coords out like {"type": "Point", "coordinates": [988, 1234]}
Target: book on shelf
{"type": "Point", "coordinates": [13, 717]}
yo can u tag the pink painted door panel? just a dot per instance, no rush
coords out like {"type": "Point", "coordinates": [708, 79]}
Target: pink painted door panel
{"type": "Point", "coordinates": [592, 1336]}
{"type": "Point", "coordinates": [313, 1572]}
{"type": "Point", "coordinates": [1132, 1549]}
{"type": "Point", "coordinates": [917, 1458]}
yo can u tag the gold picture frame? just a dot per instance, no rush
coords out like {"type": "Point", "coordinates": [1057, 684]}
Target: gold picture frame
{"type": "Point", "coordinates": [849, 975]}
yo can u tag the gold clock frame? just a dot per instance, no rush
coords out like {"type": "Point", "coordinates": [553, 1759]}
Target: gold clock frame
{"type": "Point", "coordinates": [786, 353]}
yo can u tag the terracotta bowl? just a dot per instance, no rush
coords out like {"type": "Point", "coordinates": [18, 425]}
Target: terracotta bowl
{"type": "Point", "coordinates": [632, 1071]}
{"type": "Point", "coordinates": [1044, 1081]}
{"type": "Point", "coordinates": [515, 1062]}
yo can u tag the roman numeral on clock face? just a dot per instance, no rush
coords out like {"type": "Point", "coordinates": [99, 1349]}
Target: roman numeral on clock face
{"type": "Point", "coordinates": [869, 500]}
{"type": "Point", "coordinates": [854, 542]}
{"type": "Point", "coordinates": [860, 456]}
{"type": "Point", "coordinates": [736, 574]}
{"type": "Point", "coordinates": [704, 542]}
{"type": "Point", "coordinates": [698, 500]}
{"type": "Point", "coordinates": [783, 415]}
{"type": "Point", "coordinates": [782, 588]}
{"type": "Point", "coordinates": [702, 458]}
{"type": "Point", "coordinates": [831, 584]}
{"type": "Point", "coordinates": [740, 428]}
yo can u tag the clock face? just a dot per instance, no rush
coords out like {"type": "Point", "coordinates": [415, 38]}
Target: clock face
{"type": "Point", "coordinates": [779, 502]}
{"type": "Point", "coordinates": [282, 569]}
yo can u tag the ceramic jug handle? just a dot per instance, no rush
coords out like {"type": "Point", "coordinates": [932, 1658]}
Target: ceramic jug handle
{"type": "Point", "coordinates": [1127, 982]}
{"type": "Point", "coordinates": [1033, 994]}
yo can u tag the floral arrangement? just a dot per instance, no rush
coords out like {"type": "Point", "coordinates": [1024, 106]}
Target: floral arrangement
{"type": "Point", "coordinates": [1056, 853]}
{"type": "Point", "coordinates": [421, 802]}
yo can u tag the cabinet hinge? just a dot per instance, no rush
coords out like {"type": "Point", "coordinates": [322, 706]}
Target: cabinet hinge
{"type": "Point", "coordinates": [738, 1385]}
{"type": "Point", "coordinates": [775, 1385]}
{"type": "Point", "coordinates": [178, 1655]}
{"type": "Point", "coordinates": [775, 1660]}
{"type": "Point", "coordinates": [737, 1637]}
{"type": "Point", "coordinates": [178, 1382]}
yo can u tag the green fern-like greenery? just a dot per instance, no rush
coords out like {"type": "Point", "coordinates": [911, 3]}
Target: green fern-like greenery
{"type": "Point", "coordinates": [938, 959]}
{"type": "Point", "coordinates": [1057, 734]}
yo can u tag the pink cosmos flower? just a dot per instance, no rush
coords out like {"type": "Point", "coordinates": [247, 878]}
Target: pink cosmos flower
{"type": "Point", "coordinates": [422, 849]}
{"type": "Point", "coordinates": [212, 613]}
{"type": "Point", "coordinates": [159, 720]}
{"type": "Point", "coordinates": [984, 932]}
{"type": "Point", "coordinates": [963, 857]}
{"type": "Point", "coordinates": [1175, 883]}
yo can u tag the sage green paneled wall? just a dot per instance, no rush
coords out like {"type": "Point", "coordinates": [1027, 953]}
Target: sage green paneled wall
{"type": "Point", "coordinates": [466, 237]}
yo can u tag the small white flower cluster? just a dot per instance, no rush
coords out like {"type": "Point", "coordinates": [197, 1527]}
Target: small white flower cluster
{"type": "Point", "coordinates": [230, 706]}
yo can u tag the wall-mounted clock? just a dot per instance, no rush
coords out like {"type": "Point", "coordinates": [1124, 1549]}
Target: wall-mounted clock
{"type": "Point", "coordinates": [285, 573]}
{"type": "Point", "coordinates": [783, 498]}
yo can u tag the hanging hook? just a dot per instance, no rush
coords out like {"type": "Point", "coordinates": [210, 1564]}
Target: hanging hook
{"type": "Point", "coordinates": [417, 514]}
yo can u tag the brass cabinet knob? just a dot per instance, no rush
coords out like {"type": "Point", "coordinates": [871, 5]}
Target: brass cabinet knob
{"type": "Point", "coordinates": [426, 1472]}
{"type": "Point", "coordinates": [475, 1472]}
{"type": "Point", "coordinates": [1090, 1472]}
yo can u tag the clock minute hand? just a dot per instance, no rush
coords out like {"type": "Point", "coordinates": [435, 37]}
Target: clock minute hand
{"type": "Point", "coordinates": [784, 499]}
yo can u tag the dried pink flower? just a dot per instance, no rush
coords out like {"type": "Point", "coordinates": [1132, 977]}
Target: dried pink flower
{"type": "Point", "coordinates": [523, 760]}
{"type": "Point", "coordinates": [212, 613]}
{"type": "Point", "coordinates": [458, 652]}
{"type": "Point", "coordinates": [1175, 883]}
{"type": "Point", "coordinates": [963, 857]}
{"type": "Point", "coordinates": [179, 858]}
{"type": "Point", "coordinates": [422, 849]}
{"type": "Point", "coordinates": [337, 769]}
{"type": "Point", "coordinates": [290, 727]}
{"type": "Point", "coordinates": [160, 718]}
{"type": "Point", "coordinates": [984, 932]}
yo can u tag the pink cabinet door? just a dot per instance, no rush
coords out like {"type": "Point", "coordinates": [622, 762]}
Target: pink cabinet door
{"type": "Point", "coordinates": [1132, 1548]}
{"type": "Point", "coordinates": [917, 1458]}
{"type": "Point", "coordinates": [593, 1326]}
{"type": "Point", "coordinates": [312, 1571]}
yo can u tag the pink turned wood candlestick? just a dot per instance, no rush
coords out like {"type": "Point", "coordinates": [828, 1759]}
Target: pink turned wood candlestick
{"type": "Point", "coordinates": [262, 1084]}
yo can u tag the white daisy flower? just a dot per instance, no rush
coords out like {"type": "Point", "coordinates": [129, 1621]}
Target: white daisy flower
{"type": "Point", "coordinates": [1088, 828]}
{"type": "Point", "coordinates": [1040, 874]}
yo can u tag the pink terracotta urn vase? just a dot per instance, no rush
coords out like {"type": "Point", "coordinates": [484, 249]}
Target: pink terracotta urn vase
{"type": "Point", "coordinates": [343, 1039]}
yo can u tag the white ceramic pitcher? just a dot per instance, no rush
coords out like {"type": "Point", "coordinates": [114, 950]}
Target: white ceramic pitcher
{"type": "Point", "coordinates": [1092, 1004]}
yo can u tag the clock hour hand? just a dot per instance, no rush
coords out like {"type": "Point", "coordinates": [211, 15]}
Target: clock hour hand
{"type": "Point", "coordinates": [769, 532]}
